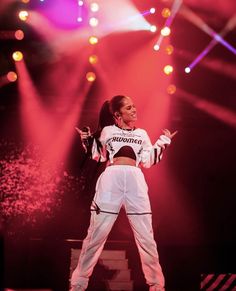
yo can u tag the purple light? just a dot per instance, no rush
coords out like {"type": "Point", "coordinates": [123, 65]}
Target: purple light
{"type": "Point", "coordinates": [201, 55]}
{"type": "Point", "coordinates": [64, 13]}
{"type": "Point", "coordinates": [217, 38]}
{"type": "Point", "coordinates": [175, 7]}
{"type": "Point", "coordinates": [147, 12]}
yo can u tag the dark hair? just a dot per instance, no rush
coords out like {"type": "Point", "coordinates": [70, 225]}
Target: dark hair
{"type": "Point", "coordinates": [107, 111]}
{"type": "Point", "coordinates": [116, 103]}
{"type": "Point", "coordinates": [105, 116]}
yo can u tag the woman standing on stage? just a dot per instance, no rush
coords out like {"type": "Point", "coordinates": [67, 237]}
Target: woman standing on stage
{"type": "Point", "coordinates": [125, 148]}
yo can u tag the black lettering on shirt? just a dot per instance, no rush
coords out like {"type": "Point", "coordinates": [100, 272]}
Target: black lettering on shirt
{"type": "Point", "coordinates": [126, 140]}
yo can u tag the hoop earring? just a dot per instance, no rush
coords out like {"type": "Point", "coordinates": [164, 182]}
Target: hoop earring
{"type": "Point", "coordinates": [118, 121]}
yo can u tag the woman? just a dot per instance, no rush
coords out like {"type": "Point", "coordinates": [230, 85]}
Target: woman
{"type": "Point", "coordinates": [125, 148]}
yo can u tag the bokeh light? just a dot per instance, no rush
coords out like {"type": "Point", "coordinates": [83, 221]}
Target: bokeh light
{"type": "Point", "coordinates": [169, 49]}
{"type": "Point", "coordinates": [156, 47]}
{"type": "Point", "coordinates": [165, 31]}
{"type": "Point", "coordinates": [93, 21]}
{"type": "Point", "coordinates": [11, 76]}
{"type": "Point", "coordinates": [80, 3]}
{"type": "Point", "coordinates": [171, 89]}
{"type": "Point", "coordinates": [17, 56]}
{"type": "Point", "coordinates": [23, 15]}
{"type": "Point", "coordinates": [93, 40]}
{"type": "Point", "coordinates": [168, 69]}
{"type": "Point", "coordinates": [152, 10]}
{"type": "Point", "coordinates": [90, 76]}
{"type": "Point", "coordinates": [166, 12]}
{"type": "Point", "coordinates": [93, 59]}
{"type": "Point", "coordinates": [94, 7]}
{"type": "Point", "coordinates": [79, 19]}
{"type": "Point", "coordinates": [25, 1]}
{"type": "Point", "coordinates": [187, 70]}
{"type": "Point", "coordinates": [153, 28]}
{"type": "Point", "coordinates": [19, 34]}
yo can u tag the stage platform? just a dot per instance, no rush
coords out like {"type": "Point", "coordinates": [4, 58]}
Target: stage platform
{"type": "Point", "coordinates": [46, 264]}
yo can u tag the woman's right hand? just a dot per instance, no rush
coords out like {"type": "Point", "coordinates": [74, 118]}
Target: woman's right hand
{"type": "Point", "coordinates": [85, 133]}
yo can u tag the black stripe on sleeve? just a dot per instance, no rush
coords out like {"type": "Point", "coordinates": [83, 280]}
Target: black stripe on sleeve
{"type": "Point", "coordinates": [159, 156]}
{"type": "Point", "coordinates": [155, 156]}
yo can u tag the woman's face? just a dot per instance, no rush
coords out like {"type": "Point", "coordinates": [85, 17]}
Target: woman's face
{"type": "Point", "coordinates": [128, 111]}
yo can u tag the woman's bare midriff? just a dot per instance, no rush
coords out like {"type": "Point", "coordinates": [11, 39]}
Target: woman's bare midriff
{"type": "Point", "coordinates": [123, 161]}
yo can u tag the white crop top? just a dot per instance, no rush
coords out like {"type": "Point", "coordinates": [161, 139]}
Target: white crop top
{"type": "Point", "coordinates": [113, 138]}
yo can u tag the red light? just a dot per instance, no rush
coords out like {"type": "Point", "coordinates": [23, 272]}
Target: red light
{"type": "Point", "coordinates": [11, 76]}
{"type": "Point", "coordinates": [19, 34]}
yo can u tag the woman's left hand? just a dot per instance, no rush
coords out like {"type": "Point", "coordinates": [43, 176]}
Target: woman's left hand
{"type": "Point", "coordinates": [168, 133]}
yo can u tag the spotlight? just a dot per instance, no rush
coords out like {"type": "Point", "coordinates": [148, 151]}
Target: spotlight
{"type": "Point", "coordinates": [94, 7]}
{"type": "Point", "coordinates": [93, 21]}
{"type": "Point", "coordinates": [90, 76]}
{"type": "Point", "coordinates": [152, 10]}
{"type": "Point", "coordinates": [153, 28]}
{"type": "Point", "coordinates": [171, 89]}
{"type": "Point", "coordinates": [17, 56]}
{"type": "Point", "coordinates": [80, 3]}
{"type": "Point", "coordinates": [168, 69]}
{"type": "Point", "coordinates": [23, 15]}
{"type": "Point", "coordinates": [156, 47]}
{"type": "Point", "coordinates": [166, 12]}
{"type": "Point", "coordinates": [165, 31]}
{"type": "Point", "coordinates": [79, 19]}
{"type": "Point", "coordinates": [19, 34]}
{"type": "Point", "coordinates": [93, 59]}
{"type": "Point", "coordinates": [187, 70]}
{"type": "Point", "coordinates": [93, 40]}
{"type": "Point", "coordinates": [169, 50]}
{"type": "Point", "coordinates": [11, 76]}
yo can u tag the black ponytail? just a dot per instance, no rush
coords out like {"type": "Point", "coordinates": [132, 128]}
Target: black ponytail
{"type": "Point", "coordinates": [105, 119]}
{"type": "Point", "coordinates": [105, 116]}
{"type": "Point", "coordinates": [107, 111]}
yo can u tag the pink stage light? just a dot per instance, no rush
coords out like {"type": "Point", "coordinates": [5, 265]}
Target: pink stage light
{"type": "Point", "coordinates": [223, 114]}
{"type": "Point", "coordinates": [19, 34]}
{"type": "Point", "coordinates": [11, 76]}
{"type": "Point", "coordinates": [52, 131]}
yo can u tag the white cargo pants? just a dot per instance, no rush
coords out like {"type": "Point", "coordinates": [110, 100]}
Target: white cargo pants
{"type": "Point", "coordinates": [120, 185]}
